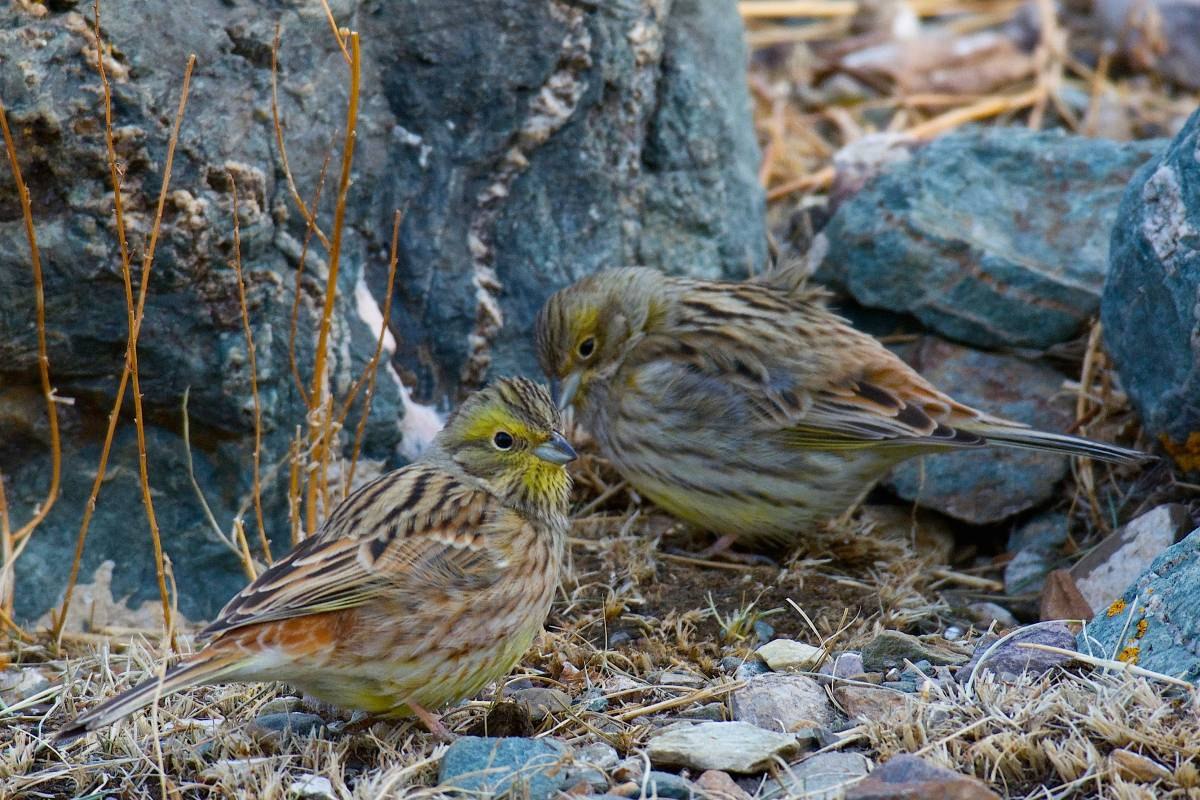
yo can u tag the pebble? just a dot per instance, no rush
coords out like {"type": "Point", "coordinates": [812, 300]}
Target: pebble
{"type": "Point", "coordinates": [891, 648]}
{"type": "Point", "coordinates": [749, 669]}
{"type": "Point", "coordinates": [728, 746]}
{"type": "Point", "coordinates": [681, 679]}
{"type": "Point", "coordinates": [824, 776]}
{"type": "Point", "coordinates": [873, 703]}
{"type": "Point", "coordinates": [542, 702]}
{"type": "Point", "coordinates": [316, 787]}
{"type": "Point", "coordinates": [844, 665]}
{"type": "Point", "coordinates": [906, 777]}
{"type": "Point", "coordinates": [780, 702]}
{"type": "Point", "coordinates": [668, 784]}
{"type": "Point", "coordinates": [1009, 660]}
{"type": "Point", "coordinates": [714, 712]}
{"type": "Point", "coordinates": [530, 768]}
{"type": "Point", "coordinates": [295, 723]}
{"type": "Point", "coordinates": [717, 785]}
{"type": "Point", "coordinates": [784, 655]}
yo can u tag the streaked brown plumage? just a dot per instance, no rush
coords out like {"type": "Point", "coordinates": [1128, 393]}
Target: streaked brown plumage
{"type": "Point", "coordinates": [420, 588]}
{"type": "Point", "coordinates": [750, 409]}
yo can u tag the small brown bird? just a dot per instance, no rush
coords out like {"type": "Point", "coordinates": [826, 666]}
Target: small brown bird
{"type": "Point", "coordinates": [750, 409]}
{"type": "Point", "coordinates": [421, 587]}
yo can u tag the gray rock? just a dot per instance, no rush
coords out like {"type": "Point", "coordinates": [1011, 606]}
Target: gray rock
{"type": "Point", "coordinates": [1162, 632]}
{"type": "Point", "coordinates": [1149, 304]}
{"type": "Point", "coordinates": [1160, 35]}
{"type": "Point", "coordinates": [1047, 531]}
{"type": "Point", "coordinates": [528, 144]}
{"type": "Point", "coordinates": [285, 723]}
{"type": "Point", "coordinates": [1105, 572]}
{"type": "Point", "coordinates": [824, 776]}
{"type": "Point", "coordinates": [905, 777]}
{"type": "Point", "coordinates": [844, 665]}
{"type": "Point", "coordinates": [533, 768]}
{"type": "Point", "coordinates": [542, 702]}
{"type": "Point", "coordinates": [789, 654]}
{"type": "Point", "coordinates": [713, 712]}
{"type": "Point", "coordinates": [986, 486]}
{"type": "Point", "coordinates": [1036, 548]}
{"type": "Point", "coordinates": [727, 746]}
{"type": "Point", "coordinates": [1010, 660]}
{"type": "Point", "coordinates": [747, 670]}
{"type": "Point", "coordinates": [991, 236]}
{"type": "Point", "coordinates": [312, 787]}
{"type": "Point", "coordinates": [784, 703]}
{"type": "Point", "coordinates": [891, 648]}
{"type": "Point", "coordinates": [985, 613]}
{"type": "Point", "coordinates": [668, 784]}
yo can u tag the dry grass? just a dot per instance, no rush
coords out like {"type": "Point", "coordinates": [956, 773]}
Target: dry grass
{"type": "Point", "coordinates": [631, 607]}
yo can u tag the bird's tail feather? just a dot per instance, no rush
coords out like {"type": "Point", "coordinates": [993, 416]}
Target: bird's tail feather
{"type": "Point", "coordinates": [203, 668]}
{"type": "Point", "coordinates": [1031, 439]}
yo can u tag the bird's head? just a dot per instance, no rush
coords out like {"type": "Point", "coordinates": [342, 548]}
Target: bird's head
{"type": "Point", "coordinates": [509, 437]}
{"type": "Point", "coordinates": [585, 330]}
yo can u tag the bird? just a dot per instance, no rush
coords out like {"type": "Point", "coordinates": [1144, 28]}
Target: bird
{"type": "Point", "coordinates": [751, 409]}
{"type": "Point", "coordinates": [420, 588]}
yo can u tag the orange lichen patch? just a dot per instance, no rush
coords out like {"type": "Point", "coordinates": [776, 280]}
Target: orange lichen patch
{"type": "Point", "coordinates": [1117, 607]}
{"type": "Point", "coordinates": [1185, 455]}
{"type": "Point", "coordinates": [1130, 654]}
{"type": "Point", "coordinates": [1142, 625]}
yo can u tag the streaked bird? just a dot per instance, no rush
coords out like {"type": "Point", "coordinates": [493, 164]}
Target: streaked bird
{"type": "Point", "coordinates": [420, 588]}
{"type": "Point", "coordinates": [750, 409]}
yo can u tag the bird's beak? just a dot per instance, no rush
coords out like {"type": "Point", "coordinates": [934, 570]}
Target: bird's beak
{"type": "Point", "coordinates": [567, 389]}
{"type": "Point", "coordinates": [556, 450]}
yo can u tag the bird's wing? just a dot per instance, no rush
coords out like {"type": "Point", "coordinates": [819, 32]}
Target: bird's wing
{"type": "Point", "coordinates": [786, 366]}
{"type": "Point", "coordinates": [417, 530]}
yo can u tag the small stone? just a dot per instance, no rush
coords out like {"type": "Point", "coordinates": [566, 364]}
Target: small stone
{"type": "Point", "coordinates": [986, 613]}
{"type": "Point", "coordinates": [763, 631]}
{"type": "Point", "coordinates": [1025, 574]}
{"type": "Point", "coordinates": [295, 723]}
{"type": "Point", "coordinates": [874, 703]}
{"type": "Point", "coordinates": [668, 784]}
{"type": "Point", "coordinates": [1136, 767]}
{"type": "Point", "coordinates": [1010, 660]}
{"type": "Point", "coordinates": [713, 712]}
{"type": "Point", "coordinates": [282, 705]}
{"type": "Point", "coordinates": [629, 770]}
{"type": "Point", "coordinates": [824, 776]}
{"type": "Point", "coordinates": [312, 786]}
{"type": "Point", "coordinates": [728, 746]}
{"type": "Point", "coordinates": [597, 754]}
{"type": "Point", "coordinates": [844, 665]}
{"type": "Point", "coordinates": [891, 648]}
{"type": "Point", "coordinates": [19, 683]}
{"type": "Point", "coordinates": [717, 785]}
{"type": "Point", "coordinates": [1104, 573]}
{"type": "Point", "coordinates": [681, 679]}
{"type": "Point", "coordinates": [906, 777]}
{"type": "Point", "coordinates": [787, 654]}
{"type": "Point", "coordinates": [542, 702]}
{"type": "Point", "coordinates": [780, 702]}
{"type": "Point", "coordinates": [1061, 598]}
{"type": "Point", "coordinates": [594, 700]}
{"type": "Point", "coordinates": [749, 669]}
{"type": "Point", "coordinates": [532, 768]}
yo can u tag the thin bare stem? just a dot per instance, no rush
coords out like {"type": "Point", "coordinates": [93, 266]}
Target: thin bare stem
{"type": "Point", "coordinates": [317, 430]}
{"type": "Point", "coordinates": [134, 318]}
{"type": "Point", "coordinates": [293, 364]}
{"type": "Point", "coordinates": [43, 359]}
{"type": "Point", "coordinates": [372, 368]}
{"type": "Point", "coordinates": [253, 364]}
{"type": "Point", "coordinates": [309, 215]}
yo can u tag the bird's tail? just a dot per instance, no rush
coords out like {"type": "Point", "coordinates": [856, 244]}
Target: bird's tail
{"type": "Point", "coordinates": [201, 668]}
{"type": "Point", "coordinates": [1031, 439]}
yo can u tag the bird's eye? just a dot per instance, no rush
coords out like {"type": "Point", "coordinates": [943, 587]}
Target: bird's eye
{"type": "Point", "coordinates": [587, 347]}
{"type": "Point", "coordinates": [503, 440]}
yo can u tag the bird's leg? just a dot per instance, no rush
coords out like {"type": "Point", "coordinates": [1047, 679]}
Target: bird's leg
{"type": "Point", "coordinates": [721, 550]}
{"type": "Point", "coordinates": [432, 722]}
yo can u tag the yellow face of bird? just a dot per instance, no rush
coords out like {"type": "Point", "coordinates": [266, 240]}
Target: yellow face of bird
{"type": "Point", "coordinates": [584, 330]}
{"type": "Point", "coordinates": [509, 436]}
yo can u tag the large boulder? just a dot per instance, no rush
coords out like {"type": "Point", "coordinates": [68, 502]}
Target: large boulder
{"type": "Point", "coordinates": [989, 236]}
{"type": "Point", "coordinates": [527, 143]}
{"type": "Point", "coordinates": [1151, 319]}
